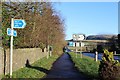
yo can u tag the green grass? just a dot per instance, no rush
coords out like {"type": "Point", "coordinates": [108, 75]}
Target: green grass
{"type": "Point", "coordinates": [86, 65]}
{"type": "Point", "coordinates": [38, 68]}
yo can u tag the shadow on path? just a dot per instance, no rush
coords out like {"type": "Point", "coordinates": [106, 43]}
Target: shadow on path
{"type": "Point", "coordinates": [37, 68]}
{"type": "Point", "coordinates": [64, 68]}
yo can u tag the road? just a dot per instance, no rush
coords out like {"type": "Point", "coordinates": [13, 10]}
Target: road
{"type": "Point", "coordinates": [64, 68]}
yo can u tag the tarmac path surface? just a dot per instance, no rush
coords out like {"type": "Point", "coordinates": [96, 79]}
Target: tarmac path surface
{"type": "Point", "coordinates": [63, 68]}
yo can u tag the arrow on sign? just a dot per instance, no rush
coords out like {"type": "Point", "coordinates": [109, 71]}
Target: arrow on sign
{"type": "Point", "coordinates": [19, 23]}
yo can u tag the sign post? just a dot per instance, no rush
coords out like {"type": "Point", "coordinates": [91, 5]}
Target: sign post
{"type": "Point", "coordinates": [81, 48]}
{"type": "Point", "coordinates": [76, 48]}
{"type": "Point", "coordinates": [11, 46]}
{"type": "Point", "coordinates": [15, 23]}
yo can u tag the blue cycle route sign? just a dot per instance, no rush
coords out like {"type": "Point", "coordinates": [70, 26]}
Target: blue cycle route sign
{"type": "Point", "coordinates": [19, 23]}
{"type": "Point", "coordinates": [11, 32]}
{"type": "Point", "coordinates": [71, 44]}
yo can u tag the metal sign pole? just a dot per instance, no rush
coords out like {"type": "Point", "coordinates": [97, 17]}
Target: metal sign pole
{"type": "Point", "coordinates": [81, 48]}
{"type": "Point", "coordinates": [76, 48]}
{"type": "Point", "coordinates": [11, 46]}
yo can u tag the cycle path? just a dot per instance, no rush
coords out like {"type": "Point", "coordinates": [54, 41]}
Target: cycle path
{"type": "Point", "coordinates": [64, 68]}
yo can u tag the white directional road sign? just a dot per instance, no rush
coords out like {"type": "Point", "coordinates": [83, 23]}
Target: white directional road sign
{"type": "Point", "coordinates": [11, 32]}
{"type": "Point", "coordinates": [19, 23]}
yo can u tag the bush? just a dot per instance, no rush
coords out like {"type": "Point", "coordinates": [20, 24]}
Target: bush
{"type": "Point", "coordinates": [108, 68]}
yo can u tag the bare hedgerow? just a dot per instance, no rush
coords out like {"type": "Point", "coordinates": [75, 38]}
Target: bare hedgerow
{"type": "Point", "coordinates": [46, 28]}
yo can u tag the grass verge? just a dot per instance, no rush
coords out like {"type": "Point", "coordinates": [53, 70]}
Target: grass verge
{"type": "Point", "coordinates": [37, 69]}
{"type": "Point", "coordinates": [86, 65]}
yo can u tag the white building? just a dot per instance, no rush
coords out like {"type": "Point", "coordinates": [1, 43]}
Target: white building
{"type": "Point", "coordinates": [78, 44]}
{"type": "Point", "coordinates": [77, 38]}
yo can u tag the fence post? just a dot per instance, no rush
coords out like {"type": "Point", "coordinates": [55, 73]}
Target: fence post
{"type": "Point", "coordinates": [50, 50]}
{"type": "Point", "coordinates": [96, 56]}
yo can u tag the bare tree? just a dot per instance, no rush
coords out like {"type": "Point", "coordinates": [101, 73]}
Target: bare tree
{"type": "Point", "coordinates": [44, 24]}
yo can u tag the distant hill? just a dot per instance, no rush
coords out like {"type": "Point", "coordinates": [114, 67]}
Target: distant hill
{"type": "Point", "coordinates": [100, 37]}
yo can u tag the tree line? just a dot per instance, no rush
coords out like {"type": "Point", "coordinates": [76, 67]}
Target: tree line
{"type": "Point", "coordinates": [45, 26]}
